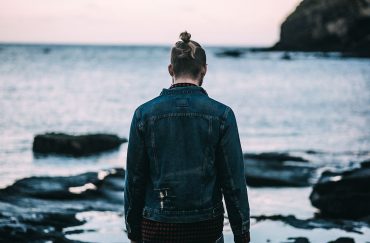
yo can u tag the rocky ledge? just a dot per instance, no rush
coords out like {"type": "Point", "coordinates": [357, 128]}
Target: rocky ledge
{"type": "Point", "coordinates": [317, 223]}
{"type": "Point", "coordinates": [277, 169]}
{"type": "Point", "coordinates": [328, 25]}
{"type": "Point", "coordinates": [36, 209]}
{"type": "Point", "coordinates": [75, 145]}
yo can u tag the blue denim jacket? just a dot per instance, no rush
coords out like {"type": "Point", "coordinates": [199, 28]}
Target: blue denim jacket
{"type": "Point", "coordinates": [183, 155]}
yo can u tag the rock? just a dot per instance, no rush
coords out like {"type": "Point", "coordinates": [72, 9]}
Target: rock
{"type": "Point", "coordinates": [39, 208]}
{"type": "Point", "coordinates": [328, 25]}
{"type": "Point", "coordinates": [230, 53]}
{"type": "Point", "coordinates": [75, 145]}
{"type": "Point", "coordinates": [286, 56]}
{"type": "Point", "coordinates": [277, 169]}
{"type": "Point", "coordinates": [274, 157]}
{"type": "Point", "coordinates": [343, 240]}
{"type": "Point", "coordinates": [46, 50]}
{"type": "Point", "coordinates": [298, 240]}
{"type": "Point", "coordinates": [343, 195]}
{"type": "Point", "coordinates": [365, 164]}
{"type": "Point", "coordinates": [316, 223]}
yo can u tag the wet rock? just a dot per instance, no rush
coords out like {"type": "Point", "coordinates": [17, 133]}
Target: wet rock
{"type": "Point", "coordinates": [277, 169]}
{"type": "Point", "coordinates": [230, 53]}
{"type": "Point", "coordinates": [39, 208]}
{"type": "Point", "coordinates": [274, 157]}
{"type": "Point", "coordinates": [343, 240]}
{"type": "Point", "coordinates": [286, 56]}
{"type": "Point", "coordinates": [316, 223]}
{"type": "Point", "coordinates": [343, 195]}
{"type": "Point", "coordinates": [365, 164]}
{"type": "Point", "coordinates": [328, 25]}
{"type": "Point", "coordinates": [297, 240]}
{"type": "Point", "coordinates": [75, 145]}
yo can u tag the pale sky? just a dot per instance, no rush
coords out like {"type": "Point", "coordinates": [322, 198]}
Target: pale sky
{"type": "Point", "coordinates": [212, 22]}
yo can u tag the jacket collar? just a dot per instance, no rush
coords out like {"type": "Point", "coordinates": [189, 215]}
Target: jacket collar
{"type": "Point", "coordinates": [184, 90]}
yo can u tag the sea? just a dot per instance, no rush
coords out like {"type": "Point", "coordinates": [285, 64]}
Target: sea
{"type": "Point", "coordinates": [313, 105]}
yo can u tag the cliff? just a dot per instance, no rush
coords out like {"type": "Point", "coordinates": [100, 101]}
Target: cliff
{"type": "Point", "coordinates": [328, 25]}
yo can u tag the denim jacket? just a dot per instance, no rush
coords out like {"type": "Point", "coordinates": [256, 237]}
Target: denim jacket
{"type": "Point", "coordinates": [183, 155]}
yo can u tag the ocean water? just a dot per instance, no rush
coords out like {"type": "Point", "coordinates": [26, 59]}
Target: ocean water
{"type": "Point", "coordinates": [313, 102]}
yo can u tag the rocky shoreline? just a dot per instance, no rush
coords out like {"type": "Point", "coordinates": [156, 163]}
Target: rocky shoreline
{"type": "Point", "coordinates": [40, 208]}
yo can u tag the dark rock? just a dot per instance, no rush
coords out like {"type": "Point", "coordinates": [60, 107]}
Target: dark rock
{"type": "Point", "coordinates": [286, 56]}
{"type": "Point", "coordinates": [314, 152]}
{"type": "Point", "coordinates": [297, 240]}
{"type": "Point", "coordinates": [365, 164]}
{"type": "Point", "coordinates": [316, 223]}
{"type": "Point", "coordinates": [75, 145]}
{"type": "Point", "coordinates": [328, 25]}
{"type": "Point", "coordinates": [274, 157]}
{"type": "Point", "coordinates": [343, 195]}
{"type": "Point", "coordinates": [39, 208]}
{"type": "Point", "coordinates": [230, 53]}
{"type": "Point", "coordinates": [276, 170]}
{"type": "Point", "coordinates": [343, 240]}
{"type": "Point", "coordinates": [46, 50]}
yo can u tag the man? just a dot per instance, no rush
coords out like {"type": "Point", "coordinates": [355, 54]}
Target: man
{"type": "Point", "coordinates": [183, 155]}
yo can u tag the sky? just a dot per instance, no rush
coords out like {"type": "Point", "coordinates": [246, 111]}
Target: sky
{"type": "Point", "coordinates": [212, 22]}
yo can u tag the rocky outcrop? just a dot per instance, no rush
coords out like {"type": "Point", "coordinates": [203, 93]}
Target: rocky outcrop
{"type": "Point", "coordinates": [328, 25]}
{"type": "Point", "coordinates": [343, 195]}
{"type": "Point", "coordinates": [37, 209]}
{"type": "Point", "coordinates": [276, 170]}
{"type": "Point", "coordinates": [75, 145]}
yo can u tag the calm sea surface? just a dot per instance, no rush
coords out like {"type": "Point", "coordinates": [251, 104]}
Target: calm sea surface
{"type": "Point", "coordinates": [310, 103]}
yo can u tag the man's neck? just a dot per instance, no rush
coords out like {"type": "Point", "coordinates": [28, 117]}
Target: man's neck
{"type": "Point", "coordinates": [186, 80]}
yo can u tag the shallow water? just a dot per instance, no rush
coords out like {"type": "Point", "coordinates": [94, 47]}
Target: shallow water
{"type": "Point", "coordinates": [312, 102]}
{"type": "Point", "coordinates": [107, 226]}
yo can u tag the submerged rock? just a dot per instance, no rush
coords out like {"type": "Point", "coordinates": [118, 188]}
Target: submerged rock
{"type": "Point", "coordinates": [343, 195]}
{"type": "Point", "coordinates": [38, 208]}
{"type": "Point", "coordinates": [276, 170]}
{"type": "Point", "coordinates": [230, 53]}
{"type": "Point", "coordinates": [274, 157]}
{"type": "Point", "coordinates": [328, 25]}
{"type": "Point", "coordinates": [75, 145]}
{"type": "Point", "coordinates": [286, 56]}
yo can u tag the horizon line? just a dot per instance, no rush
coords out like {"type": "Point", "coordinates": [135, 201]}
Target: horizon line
{"type": "Point", "coordinates": [41, 43]}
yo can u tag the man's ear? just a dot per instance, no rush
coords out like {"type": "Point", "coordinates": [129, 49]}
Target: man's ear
{"type": "Point", "coordinates": [204, 70]}
{"type": "Point", "coordinates": [170, 69]}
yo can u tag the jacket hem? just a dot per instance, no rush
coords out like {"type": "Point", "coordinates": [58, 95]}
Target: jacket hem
{"type": "Point", "coordinates": [186, 216]}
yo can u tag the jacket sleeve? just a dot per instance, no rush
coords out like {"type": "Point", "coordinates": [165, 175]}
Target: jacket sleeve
{"type": "Point", "coordinates": [136, 176]}
{"type": "Point", "coordinates": [230, 167]}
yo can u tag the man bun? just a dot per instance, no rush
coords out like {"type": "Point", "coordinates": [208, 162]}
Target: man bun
{"type": "Point", "coordinates": [188, 57]}
{"type": "Point", "coordinates": [185, 36]}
